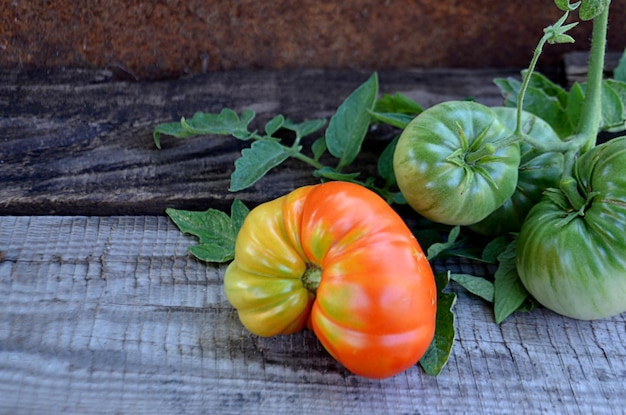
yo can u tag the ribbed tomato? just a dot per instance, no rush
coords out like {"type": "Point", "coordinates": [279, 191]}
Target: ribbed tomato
{"type": "Point", "coordinates": [336, 258]}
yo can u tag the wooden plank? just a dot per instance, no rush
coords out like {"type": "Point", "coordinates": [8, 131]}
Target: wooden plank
{"type": "Point", "coordinates": [74, 142]}
{"type": "Point", "coordinates": [110, 315]}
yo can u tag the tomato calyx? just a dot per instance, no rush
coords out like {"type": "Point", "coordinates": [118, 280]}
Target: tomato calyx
{"type": "Point", "coordinates": [311, 278]}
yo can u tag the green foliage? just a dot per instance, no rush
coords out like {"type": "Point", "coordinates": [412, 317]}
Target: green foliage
{"type": "Point", "coordinates": [216, 231]}
{"type": "Point", "coordinates": [438, 353]}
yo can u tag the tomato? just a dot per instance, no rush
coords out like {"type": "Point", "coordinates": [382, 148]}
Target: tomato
{"type": "Point", "coordinates": [337, 259]}
{"type": "Point", "coordinates": [571, 252]}
{"type": "Point", "coordinates": [537, 171]}
{"type": "Point", "coordinates": [448, 165]}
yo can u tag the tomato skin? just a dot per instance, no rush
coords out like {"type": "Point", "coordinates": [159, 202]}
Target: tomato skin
{"type": "Point", "coordinates": [435, 167]}
{"type": "Point", "coordinates": [374, 308]}
{"type": "Point", "coordinates": [575, 263]}
{"type": "Point", "coordinates": [537, 171]}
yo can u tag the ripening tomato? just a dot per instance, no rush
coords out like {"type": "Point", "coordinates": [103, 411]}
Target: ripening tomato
{"type": "Point", "coordinates": [336, 258]}
{"type": "Point", "coordinates": [571, 251]}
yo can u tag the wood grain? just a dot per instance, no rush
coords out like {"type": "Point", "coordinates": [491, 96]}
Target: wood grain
{"type": "Point", "coordinates": [110, 315]}
{"type": "Point", "coordinates": [75, 142]}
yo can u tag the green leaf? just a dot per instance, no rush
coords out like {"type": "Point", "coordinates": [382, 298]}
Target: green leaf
{"type": "Point", "coordinates": [592, 8]}
{"type": "Point", "coordinates": [619, 74]}
{"type": "Point", "coordinates": [566, 6]}
{"type": "Point", "coordinates": [509, 294]}
{"type": "Point", "coordinates": [385, 163]}
{"type": "Point", "coordinates": [393, 119]}
{"type": "Point", "coordinates": [175, 129]}
{"type": "Point", "coordinates": [612, 109]}
{"type": "Point", "coordinates": [397, 103]}
{"type": "Point", "coordinates": [332, 174]}
{"type": "Point", "coordinates": [274, 125]}
{"type": "Point", "coordinates": [215, 230]}
{"type": "Point", "coordinates": [543, 98]}
{"type": "Point", "coordinates": [227, 122]}
{"type": "Point", "coordinates": [319, 148]}
{"type": "Point", "coordinates": [438, 353]}
{"type": "Point", "coordinates": [437, 248]}
{"type": "Point", "coordinates": [575, 101]}
{"type": "Point", "coordinates": [348, 126]}
{"type": "Point", "coordinates": [256, 161]}
{"type": "Point", "coordinates": [475, 285]}
{"type": "Point", "coordinates": [494, 248]}
{"type": "Point", "coordinates": [306, 127]}
{"type": "Point", "coordinates": [238, 213]}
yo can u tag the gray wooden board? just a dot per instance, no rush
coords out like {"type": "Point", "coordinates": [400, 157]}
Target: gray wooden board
{"type": "Point", "coordinates": [111, 315]}
{"type": "Point", "coordinates": [78, 142]}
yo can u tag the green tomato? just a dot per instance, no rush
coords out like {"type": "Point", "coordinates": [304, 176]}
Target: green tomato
{"type": "Point", "coordinates": [448, 165]}
{"type": "Point", "coordinates": [571, 252]}
{"type": "Point", "coordinates": [537, 172]}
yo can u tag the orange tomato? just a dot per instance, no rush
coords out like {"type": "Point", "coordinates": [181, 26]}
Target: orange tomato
{"type": "Point", "coordinates": [336, 258]}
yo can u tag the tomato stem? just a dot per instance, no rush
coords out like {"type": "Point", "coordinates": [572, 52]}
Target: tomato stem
{"type": "Point", "coordinates": [591, 114]}
{"type": "Point", "coordinates": [312, 277]}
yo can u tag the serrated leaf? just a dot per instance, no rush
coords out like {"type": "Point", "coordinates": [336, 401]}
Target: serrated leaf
{"type": "Point", "coordinates": [216, 231]}
{"type": "Point", "coordinates": [510, 294]}
{"type": "Point", "coordinates": [348, 126]}
{"type": "Point", "coordinates": [274, 125]}
{"type": "Point", "coordinates": [227, 122]}
{"type": "Point", "coordinates": [475, 285]}
{"type": "Point", "coordinates": [438, 353]}
{"type": "Point", "coordinates": [385, 163]}
{"type": "Point", "coordinates": [306, 127]}
{"type": "Point", "coordinates": [256, 161]}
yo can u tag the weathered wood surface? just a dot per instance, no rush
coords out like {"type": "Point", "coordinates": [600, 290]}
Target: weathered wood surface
{"type": "Point", "coordinates": [103, 313]}
{"type": "Point", "coordinates": [76, 142]}
{"type": "Point", "coordinates": [110, 315]}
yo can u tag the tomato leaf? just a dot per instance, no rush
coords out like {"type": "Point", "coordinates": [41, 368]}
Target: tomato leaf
{"type": "Point", "coordinates": [494, 248]}
{"type": "Point", "coordinates": [543, 98]}
{"type": "Point", "coordinates": [397, 103]}
{"type": "Point", "coordinates": [393, 119]}
{"type": "Point", "coordinates": [591, 8]}
{"type": "Point", "coordinates": [227, 122]}
{"type": "Point", "coordinates": [348, 126]}
{"type": "Point", "coordinates": [304, 128]}
{"type": "Point", "coordinates": [385, 163]}
{"type": "Point", "coordinates": [509, 294]}
{"type": "Point", "coordinates": [216, 231]}
{"type": "Point", "coordinates": [619, 74]}
{"type": "Point", "coordinates": [475, 285]}
{"type": "Point", "coordinates": [437, 248]}
{"type": "Point", "coordinates": [256, 161]}
{"type": "Point", "coordinates": [274, 124]}
{"type": "Point", "coordinates": [438, 353]}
